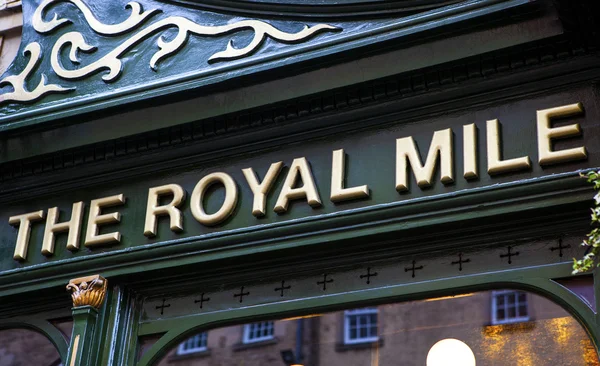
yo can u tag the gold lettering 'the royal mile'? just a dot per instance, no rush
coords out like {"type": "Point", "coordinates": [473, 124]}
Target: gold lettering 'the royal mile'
{"type": "Point", "coordinates": [546, 134]}
{"type": "Point", "coordinates": [24, 221]}
{"type": "Point", "coordinates": [228, 206]}
{"type": "Point", "coordinates": [153, 209]}
{"type": "Point", "coordinates": [338, 173]}
{"type": "Point", "coordinates": [406, 151]}
{"type": "Point", "coordinates": [494, 153]}
{"type": "Point", "coordinates": [260, 190]}
{"type": "Point", "coordinates": [298, 170]}
{"type": "Point", "coordinates": [470, 151]}
{"type": "Point", "coordinates": [73, 226]}
{"type": "Point", "coordinates": [97, 218]}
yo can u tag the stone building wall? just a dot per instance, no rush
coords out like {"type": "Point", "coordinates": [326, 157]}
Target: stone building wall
{"type": "Point", "coordinates": [11, 21]}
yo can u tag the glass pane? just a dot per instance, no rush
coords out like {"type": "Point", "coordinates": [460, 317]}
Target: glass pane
{"type": "Point", "coordinates": [499, 301]}
{"type": "Point", "coordinates": [26, 347]}
{"type": "Point", "coordinates": [522, 311]}
{"type": "Point", "coordinates": [457, 330]}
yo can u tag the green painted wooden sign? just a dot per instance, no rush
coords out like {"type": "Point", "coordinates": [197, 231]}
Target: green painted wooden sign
{"type": "Point", "coordinates": [396, 171]}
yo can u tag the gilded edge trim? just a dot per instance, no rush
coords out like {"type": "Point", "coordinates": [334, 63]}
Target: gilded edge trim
{"type": "Point", "coordinates": [74, 352]}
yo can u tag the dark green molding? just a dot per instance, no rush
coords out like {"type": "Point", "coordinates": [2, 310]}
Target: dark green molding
{"type": "Point", "coordinates": [318, 9]}
{"type": "Point", "coordinates": [83, 349]}
{"type": "Point", "coordinates": [189, 69]}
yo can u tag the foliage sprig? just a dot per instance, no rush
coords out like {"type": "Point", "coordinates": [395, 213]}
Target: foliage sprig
{"type": "Point", "coordinates": [593, 238]}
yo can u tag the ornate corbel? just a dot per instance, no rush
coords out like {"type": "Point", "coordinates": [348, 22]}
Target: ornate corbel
{"type": "Point", "coordinates": [88, 291]}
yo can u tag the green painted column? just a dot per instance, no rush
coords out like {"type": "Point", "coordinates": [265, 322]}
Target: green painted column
{"type": "Point", "coordinates": [82, 348]}
{"type": "Point", "coordinates": [88, 295]}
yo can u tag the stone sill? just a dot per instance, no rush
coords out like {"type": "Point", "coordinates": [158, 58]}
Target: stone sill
{"type": "Point", "coordinates": [243, 346]}
{"type": "Point", "coordinates": [188, 356]}
{"type": "Point", "coordinates": [343, 347]}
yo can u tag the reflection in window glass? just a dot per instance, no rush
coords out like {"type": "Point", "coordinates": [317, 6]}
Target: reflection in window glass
{"type": "Point", "coordinates": [497, 328]}
{"type": "Point", "coordinates": [360, 325]}
{"type": "Point", "coordinates": [509, 307]}
{"type": "Point", "coordinates": [25, 347]}
{"type": "Point", "coordinates": [193, 344]}
{"type": "Point", "coordinates": [256, 332]}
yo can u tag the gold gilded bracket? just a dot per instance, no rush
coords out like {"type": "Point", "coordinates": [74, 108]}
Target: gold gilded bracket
{"type": "Point", "coordinates": [90, 290]}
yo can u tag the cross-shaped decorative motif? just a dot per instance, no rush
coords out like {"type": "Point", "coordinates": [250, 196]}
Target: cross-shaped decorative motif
{"type": "Point", "coordinates": [560, 247]}
{"type": "Point", "coordinates": [162, 307]}
{"type": "Point", "coordinates": [460, 261]}
{"type": "Point", "coordinates": [413, 268]}
{"type": "Point", "coordinates": [510, 254]}
{"type": "Point", "coordinates": [241, 294]}
{"type": "Point", "coordinates": [202, 300]}
{"type": "Point", "coordinates": [368, 275]}
{"type": "Point", "coordinates": [325, 281]}
{"type": "Point", "coordinates": [283, 288]}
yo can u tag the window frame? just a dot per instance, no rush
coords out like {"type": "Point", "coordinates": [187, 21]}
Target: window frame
{"type": "Point", "coordinates": [246, 339]}
{"type": "Point", "coordinates": [359, 312]}
{"type": "Point", "coordinates": [508, 320]}
{"type": "Point", "coordinates": [181, 347]}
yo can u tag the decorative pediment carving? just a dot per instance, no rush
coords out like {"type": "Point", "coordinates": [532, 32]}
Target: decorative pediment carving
{"type": "Point", "coordinates": [78, 54]}
{"type": "Point", "coordinates": [137, 27]}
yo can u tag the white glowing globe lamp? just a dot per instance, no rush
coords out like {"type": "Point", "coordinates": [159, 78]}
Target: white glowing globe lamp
{"type": "Point", "coordinates": [450, 352]}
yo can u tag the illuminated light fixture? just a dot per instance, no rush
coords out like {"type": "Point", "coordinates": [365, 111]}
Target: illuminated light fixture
{"type": "Point", "coordinates": [450, 352]}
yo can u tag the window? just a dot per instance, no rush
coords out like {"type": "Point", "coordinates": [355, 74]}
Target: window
{"type": "Point", "coordinates": [509, 307]}
{"type": "Point", "coordinates": [194, 344]}
{"type": "Point", "coordinates": [256, 332]}
{"type": "Point", "coordinates": [360, 325]}
{"type": "Point", "coordinates": [437, 331]}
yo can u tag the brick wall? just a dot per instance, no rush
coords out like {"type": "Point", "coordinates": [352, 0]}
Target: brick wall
{"type": "Point", "coordinates": [21, 347]}
{"type": "Point", "coordinates": [11, 21]}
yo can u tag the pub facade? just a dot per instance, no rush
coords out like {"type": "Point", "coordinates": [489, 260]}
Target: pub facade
{"type": "Point", "coordinates": [283, 182]}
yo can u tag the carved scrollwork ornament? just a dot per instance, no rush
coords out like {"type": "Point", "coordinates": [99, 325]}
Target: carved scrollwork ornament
{"type": "Point", "coordinates": [88, 291]}
{"type": "Point", "coordinates": [137, 27]}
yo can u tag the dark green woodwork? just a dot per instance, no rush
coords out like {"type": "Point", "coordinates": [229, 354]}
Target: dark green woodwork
{"type": "Point", "coordinates": [473, 61]}
{"type": "Point", "coordinates": [371, 160]}
{"type": "Point", "coordinates": [189, 65]}
{"type": "Point", "coordinates": [536, 279]}
{"type": "Point", "coordinates": [83, 349]}
{"type": "Point", "coordinates": [281, 86]}
{"type": "Point", "coordinates": [318, 8]}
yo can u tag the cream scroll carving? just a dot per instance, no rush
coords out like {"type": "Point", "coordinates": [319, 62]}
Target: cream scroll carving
{"type": "Point", "coordinates": [20, 93]}
{"type": "Point", "coordinates": [111, 61]}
